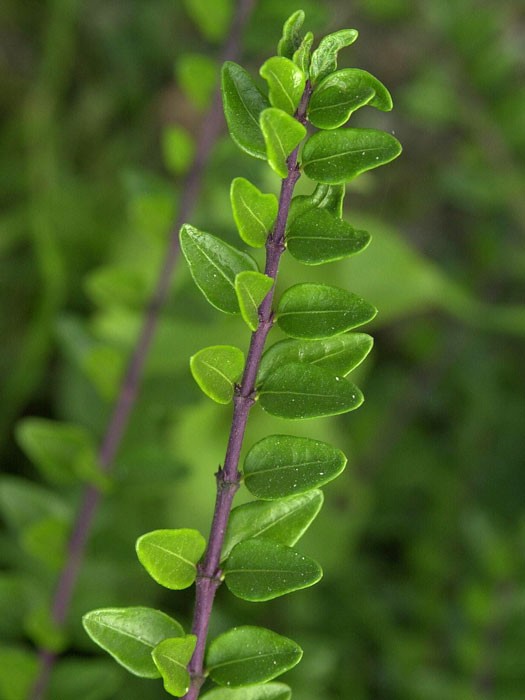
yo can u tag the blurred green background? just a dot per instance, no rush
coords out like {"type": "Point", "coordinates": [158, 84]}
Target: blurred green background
{"type": "Point", "coordinates": [423, 538]}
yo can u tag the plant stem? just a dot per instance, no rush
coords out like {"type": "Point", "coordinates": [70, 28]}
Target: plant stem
{"type": "Point", "coordinates": [90, 499]}
{"type": "Point", "coordinates": [209, 575]}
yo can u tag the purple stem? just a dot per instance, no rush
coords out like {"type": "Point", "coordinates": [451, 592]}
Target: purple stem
{"type": "Point", "coordinates": [211, 128]}
{"type": "Point", "coordinates": [209, 575]}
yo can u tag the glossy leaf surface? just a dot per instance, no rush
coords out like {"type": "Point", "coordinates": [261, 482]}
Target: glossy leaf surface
{"type": "Point", "coordinates": [254, 212]}
{"type": "Point", "coordinates": [329, 197]}
{"type": "Point", "coordinates": [303, 54]}
{"type": "Point", "coordinates": [259, 570]}
{"type": "Point", "coordinates": [214, 265]}
{"type": "Point", "coordinates": [286, 83]}
{"type": "Point", "coordinates": [251, 288]}
{"type": "Point", "coordinates": [279, 466]}
{"type": "Point", "coordinates": [283, 520]}
{"type": "Point", "coordinates": [341, 93]}
{"type": "Point", "coordinates": [243, 103]}
{"type": "Point", "coordinates": [291, 37]}
{"type": "Point", "coordinates": [130, 635]}
{"type": "Point", "coordinates": [297, 391]}
{"type": "Point", "coordinates": [321, 311]}
{"type": "Point", "coordinates": [170, 556]}
{"type": "Point", "coordinates": [339, 354]}
{"type": "Point", "coordinates": [343, 154]}
{"type": "Point", "coordinates": [324, 58]}
{"type": "Point", "coordinates": [318, 237]}
{"type": "Point", "coordinates": [217, 368]}
{"type": "Point", "coordinates": [171, 657]}
{"type": "Point", "coordinates": [282, 134]}
{"type": "Point", "coordinates": [246, 655]}
{"type": "Point", "coordinates": [267, 691]}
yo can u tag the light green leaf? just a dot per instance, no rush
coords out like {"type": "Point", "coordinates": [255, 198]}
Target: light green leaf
{"type": "Point", "coordinates": [254, 212]}
{"type": "Point", "coordinates": [298, 391]}
{"type": "Point", "coordinates": [130, 635]}
{"type": "Point", "coordinates": [321, 311]}
{"type": "Point", "coordinates": [43, 630]}
{"type": "Point", "coordinates": [172, 657]}
{"type": "Point", "coordinates": [259, 570]}
{"type": "Point", "coordinates": [324, 58]}
{"type": "Point", "coordinates": [282, 134]}
{"type": "Point", "coordinates": [246, 655]}
{"type": "Point", "coordinates": [243, 104]}
{"type": "Point", "coordinates": [46, 540]}
{"type": "Point", "coordinates": [251, 288]}
{"type": "Point", "coordinates": [190, 66]}
{"type": "Point", "coordinates": [286, 83]}
{"type": "Point", "coordinates": [291, 38]}
{"type": "Point", "coordinates": [279, 466]}
{"type": "Point", "coordinates": [217, 368]}
{"type": "Point", "coordinates": [18, 671]}
{"type": "Point", "coordinates": [341, 93]}
{"type": "Point", "coordinates": [329, 197]}
{"type": "Point", "coordinates": [170, 556]}
{"type": "Point", "coordinates": [177, 149]}
{"type": "Point", "coordinates": [284, 520]}
{"type": "Point", "coordinates": [318, 237]}
{"type": "Point", "coordinates": [214, 265]}
{"type": "Point", "coordinates": [268, 691]}
{"type": "Point", "coordinates": [212, 18]}
{"type": "Point", "coordinates": [343, 154]}
{"type": "Point", "coordinates": [302, 56]}
{"type": "Point", "coordinates": [340, 354]}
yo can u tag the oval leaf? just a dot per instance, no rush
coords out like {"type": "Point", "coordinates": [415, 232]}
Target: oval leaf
{"type": "Point", "coordinates": [286, 82]}
{"type": "Point", "coordinates": [170, 556]}
{"type": "Point", "coordinates": [251, 288]}
{"type": "Point", "coordinates": [214, 265]}
{"type": "Point", "coordinates": [254, 212]}
{"type": "Point", "coordinates": [243, 103]}
{"type": "Point", "coordinates": [340, 354]}
{"type": "Point", "coordinates": [318, 237]}
{"type": "Point", "coordinates": [259, 570]}
{"type": "Point", "coordinates": [283, 465]}
{"type": "Point", "coordinates": [268, 691]}
{"type": "Point", "coordinates": [321, 311]}
{"type": "Point", "coordinates": [299, 391]}
{"type": "Point", "coordinates": [324, 58]}
{"type": "Point", "coordinates": [291, 37]}
{"type": "Point", "coordinates": [130, 635]}
{"type": "Point", "coordinates": [343, 154]}
{"type": "Point", "coordinates": [341, 93]}
{"type": "Point", "coordinates": [283, 521]}
{"type": "Point", "coordinates": [282, 134]}
{"type": "Point", "coordinates": [246, 655]}
{"type": "Point", "coordinates": [217, 368]}
{"type": "Point", "coordinates": [171, 657]}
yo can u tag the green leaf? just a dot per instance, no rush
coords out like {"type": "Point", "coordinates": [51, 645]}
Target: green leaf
{"type": "Point", "coordinates": [340, 354]}
{"type": "Point", "coordinates": [291, 38]}
{"type": "Point", "coordinates": [213, 19]}
{"type": "Point", "coordinates": [170, 556]}
{"type": "Point", "coordinates": [259, 570]}
{"type": "Point", "coordinates": [329, 197]}
{"type": "Point", "coordinates": [302, 56]}
{"type": "Point", "coordinates": [178, 149]}
{"type": "Point", "coordinates": [243, 104]}
{"type": "Point", "coordinates": [85, 678]}
{"type": "Point", "coordinates": [251, 288]}
{"type": "Point", "coordinates": [24, 504]}
{"type": "Point", "coordinates": [341, 93]}
{"type": "Point", "coordinates": [268, 691]}
{"type": "Point", "coordinates": [43, 630]}
{"type": "Point", "coordinates": [171, 657]}
{"type": "Point", "coordinates": [130, 635]}
{"type": "Point", "coordinates": [254, 212]}
{"type": "Point", "coordinates": [214, 265]}
{"type": "Point", "coordinates": [246, 655]}
{"type": "Point", "coordinates": [324, 58]}
{"type": "Point", "coordinates": [318, 237]}
{"type": "Point", "coordinates": [297, 391]}
{"type": "Point", "coordinates": [286, 83]}
{"type": "Point", "coordinates": [57, 449]}
{"type": "Point", "coordinates": [283, 465]}
{"type": "Point", "coordinates": [321, 311]}
{"type": "Point", "coordinates": [343, 154]}
{"type": "Point", "coordinates": [282, 134]}
{"type": "Point", "coordinates": [199, 91]}
{"type": "Point", "coordinates": [46, 540]}
{"type": "Point", "coordinates": [283, 521]}
{"type": "Point", "coordinates": [18, 671]}
{"type": "Point", "coordinates": [217, 368]}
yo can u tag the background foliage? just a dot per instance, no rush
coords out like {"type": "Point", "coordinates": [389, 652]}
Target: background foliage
{"type": "Point", "coordinates": [422, 538]}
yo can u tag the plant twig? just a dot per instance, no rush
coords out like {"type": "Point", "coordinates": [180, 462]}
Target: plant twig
{"type": "Point", "coordinates": [211, 128]}
{"type": "Point", "coordinates": [209, 575]}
